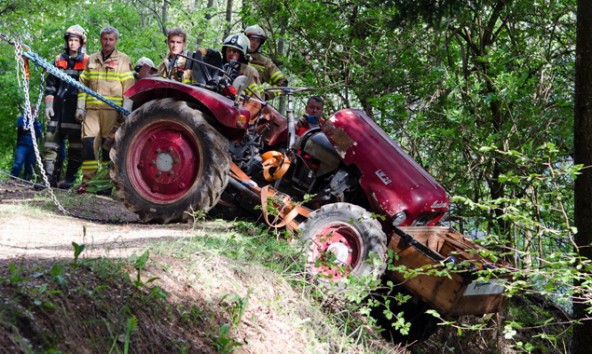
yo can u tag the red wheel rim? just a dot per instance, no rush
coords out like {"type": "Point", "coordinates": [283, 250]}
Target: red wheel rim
{"type": "Point", "coordinates": [335, 251]}
{"type": "Point", "coordinates": [163, 161]}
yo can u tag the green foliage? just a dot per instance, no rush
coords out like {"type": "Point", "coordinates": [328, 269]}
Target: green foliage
{"type": "Point", "coordinates": [77, 250]}
{"type": "Point", "coordinates": [139, 266]}
{"type": "Point", "coordinates": [236, 306]}
{"type": "Point", "coordinates": [224, 343]}
{"type": "Point", "coordinates": [480, 94]}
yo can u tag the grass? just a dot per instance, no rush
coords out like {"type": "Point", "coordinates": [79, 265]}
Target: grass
{"type": "Point", "coordinates": [250, 253]}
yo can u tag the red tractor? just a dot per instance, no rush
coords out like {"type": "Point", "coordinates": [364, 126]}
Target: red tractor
{"type": "Point", "coordinates": [346, 188]}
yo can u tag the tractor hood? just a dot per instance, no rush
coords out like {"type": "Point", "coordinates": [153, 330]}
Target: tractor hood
{"type": "Point", "coordinates": [393, 181]}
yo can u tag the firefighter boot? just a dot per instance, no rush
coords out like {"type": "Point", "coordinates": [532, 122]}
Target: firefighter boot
{"type": "Point", "coordinates": [49, 166]}
{"type": "Point", "coordinates": [69, 179]}
{"type": "Point", "coordinates": [74, 163]}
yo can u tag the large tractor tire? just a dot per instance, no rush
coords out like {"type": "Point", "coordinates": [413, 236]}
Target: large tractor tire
{"type": "Point", "coordinates": [342, 239]}
{"type": "Point", "coordinates": [169, 162]}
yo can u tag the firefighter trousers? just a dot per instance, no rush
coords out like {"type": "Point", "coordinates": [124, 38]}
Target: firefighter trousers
{"type": "Point", "coordinates": [98, 125]}
{"type": "Point", "coordinates": [55, 140]}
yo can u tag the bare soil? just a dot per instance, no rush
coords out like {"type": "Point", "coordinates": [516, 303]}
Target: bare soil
{"type": "Point", "coordinates": [103, 224]}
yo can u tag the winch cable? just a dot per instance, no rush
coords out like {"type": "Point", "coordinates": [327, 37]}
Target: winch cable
{"type": "Point", "coordinates": [21, 52]}
{"type": "Point", "coordinates": [53, 70]}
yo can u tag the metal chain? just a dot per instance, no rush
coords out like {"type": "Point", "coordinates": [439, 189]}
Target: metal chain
{"type": "Point", "coordinates": [23, 51]}
{"type": "Point", "coordinates": [30, 121]}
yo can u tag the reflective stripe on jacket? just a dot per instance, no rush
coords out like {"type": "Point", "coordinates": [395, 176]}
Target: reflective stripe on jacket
{"type": "Point", "coordinates": [254, 87]}
{"type": "Point", "coordinates": [268, 71]}
{"type": "Point", "coordinates": [109, 78]}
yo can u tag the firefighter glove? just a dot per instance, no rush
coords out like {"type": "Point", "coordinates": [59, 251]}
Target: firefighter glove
{"type": "Point", "coordinates": [49, 113]}
{"type": "Point", "coordinates": [128, 104]}
{"type": "Point", "coordinates": [80, 111]}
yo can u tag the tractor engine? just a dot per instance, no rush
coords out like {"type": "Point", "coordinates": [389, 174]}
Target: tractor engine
{"type": "Point", "coordinates": [317, 169]}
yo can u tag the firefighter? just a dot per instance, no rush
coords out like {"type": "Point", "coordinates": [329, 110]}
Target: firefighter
{"type": "Point", "coordinates": [235, 61]}
{"type": "Point", "coordinates": [173, 66]}
{"type": "Point", "coordinates": [60, 108]}
{"type": "Point", "coordinates": [268, 71]}
{"type": "Point", "coordinates": [109, 73]}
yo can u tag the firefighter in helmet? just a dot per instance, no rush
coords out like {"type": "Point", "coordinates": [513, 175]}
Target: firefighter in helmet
{"type": "Point", "coordinates": [235, 61]}
{"type": "Point", "coordinates": [60, 109]}
{"type": "Point", "coordinates": [268, 71]}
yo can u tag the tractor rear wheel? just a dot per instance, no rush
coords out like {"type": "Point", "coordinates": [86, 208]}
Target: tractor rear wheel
{"type": "Point", "coordinates": [342, 239]}
{"type": "Point", "coordinates": [168, 162]}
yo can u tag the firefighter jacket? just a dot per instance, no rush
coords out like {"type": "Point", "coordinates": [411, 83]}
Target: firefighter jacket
{"type": "Point", "coordinates": [268, 71]}
{"type": "Point", "coordinates": [72, 66]}
{"type": "Point", "coordinates": [177, 72]}
{"type": "Point", "coordinates": [254, 87]}
{"type": "Point", "coordinates": [64, 94]}
{"type": "Point", "coordinates": [110, 78]}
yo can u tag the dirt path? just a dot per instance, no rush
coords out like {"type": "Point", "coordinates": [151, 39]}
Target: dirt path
{"type": "Point", "coordinates": [25, 230]}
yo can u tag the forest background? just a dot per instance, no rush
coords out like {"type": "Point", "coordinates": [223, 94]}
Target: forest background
{"type": "Point", "coordinates": [480, 93]}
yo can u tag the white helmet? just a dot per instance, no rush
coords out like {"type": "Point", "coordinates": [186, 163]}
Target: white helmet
{"type": "Point", "coordinates": [257, 32]}
{"type": "Point", "coordinates": [78, 31]}
{"type": "Point", "coordinates": [143, 60]}
{"type": "Point", "coordinates": [237, 41]}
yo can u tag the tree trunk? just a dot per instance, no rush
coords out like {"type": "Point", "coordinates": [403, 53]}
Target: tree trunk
{"type": "Point", "coordinates": [210, 6]}
{"type": "Point", "coordinates": [582, 337]}
{"type": "Point", "coordinates": [228, 18]}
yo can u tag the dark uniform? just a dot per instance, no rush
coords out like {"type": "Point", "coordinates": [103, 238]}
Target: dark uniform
{"type": "Point", "coordinates": [63, 126]}
{"type": "Point", "coordinates": [24, 153]}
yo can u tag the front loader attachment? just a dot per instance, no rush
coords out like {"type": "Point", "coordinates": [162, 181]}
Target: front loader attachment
{"type": "Point", "coordinates": [432, 248]}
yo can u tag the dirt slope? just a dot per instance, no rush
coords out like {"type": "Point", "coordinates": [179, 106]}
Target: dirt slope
{"type": "Point", "coordinates": [52, 302]}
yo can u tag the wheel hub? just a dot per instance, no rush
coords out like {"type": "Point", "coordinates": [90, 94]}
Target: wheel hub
{"type": "Point", "coordinates": [336, 251]}
{"type": "Point", "coordinates": [163, 162]}
{"type": "Point", "coordinates": [340, 251]}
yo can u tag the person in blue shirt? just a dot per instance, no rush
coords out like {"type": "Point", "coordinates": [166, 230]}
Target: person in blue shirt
{"type": "Point", "coordinates": [24, 154]}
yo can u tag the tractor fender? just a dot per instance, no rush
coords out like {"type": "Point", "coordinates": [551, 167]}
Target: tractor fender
{"type": "Point", "coordinates": [221, 108]}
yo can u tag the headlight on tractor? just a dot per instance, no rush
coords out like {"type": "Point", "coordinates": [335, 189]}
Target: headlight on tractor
{"type": "Point", "coordinates": [399, 218]}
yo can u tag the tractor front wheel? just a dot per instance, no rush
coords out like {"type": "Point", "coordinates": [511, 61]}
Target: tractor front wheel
{"type": "Point", "coordinates": [343, 239]}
